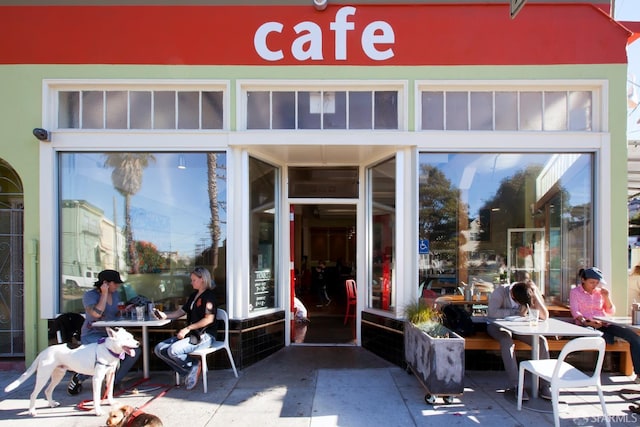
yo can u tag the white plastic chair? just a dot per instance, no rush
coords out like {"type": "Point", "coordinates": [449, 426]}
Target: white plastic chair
{"type": "Point", "coordinates": [215, 346]}
{"type": "Point", "coordinates": [561, 374]}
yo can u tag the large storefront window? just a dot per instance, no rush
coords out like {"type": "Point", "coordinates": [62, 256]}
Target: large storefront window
{"type": "Point", "coordinates": [382, 179]}
{"type": "Point", "coordinates": [490, 217]}
{"type": "Point", "coordinates": [151, 216]}
{"type": "Point", "coordinates": [263, 181]}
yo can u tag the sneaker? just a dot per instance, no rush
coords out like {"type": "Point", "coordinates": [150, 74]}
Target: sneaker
{"type": "Point", "coordinates": [545, 392]}
{"type": "Point", "coordinates": [328, 302]}
{"type": "Point", "coordinates": [192, 378]}
{"type": "Point", "coordinates": [75, 385]}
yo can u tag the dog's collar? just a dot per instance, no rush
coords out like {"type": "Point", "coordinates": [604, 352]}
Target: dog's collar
{"type": "Point", "coordinates": [114, 354]}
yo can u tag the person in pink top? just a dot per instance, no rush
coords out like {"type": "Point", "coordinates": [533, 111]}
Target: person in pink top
{"type": "Point", "coordinates": [591, 299]}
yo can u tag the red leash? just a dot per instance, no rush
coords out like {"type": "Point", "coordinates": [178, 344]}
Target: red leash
{"type": "Point", "coordinates": [82, 405]}
{"type": "Point", "coordinates": [139, 410]}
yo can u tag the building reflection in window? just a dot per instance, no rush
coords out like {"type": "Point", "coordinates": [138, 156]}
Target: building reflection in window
{"type": "Point", "coordinates": [382, 180]}
{"type": "Point", "coordinates": [488, 216]}
{"type": "Point", "coordinates": [140, 214]}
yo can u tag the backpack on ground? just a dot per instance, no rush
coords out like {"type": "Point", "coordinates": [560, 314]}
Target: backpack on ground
{"type": "Point", "coordinates": [458, 319]}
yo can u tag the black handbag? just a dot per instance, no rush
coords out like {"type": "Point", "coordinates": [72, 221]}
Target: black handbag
{"type": "Point", "coordinates": [194, 337]}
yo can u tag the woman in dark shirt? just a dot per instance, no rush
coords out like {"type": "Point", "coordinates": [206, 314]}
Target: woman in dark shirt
{"type": "Point", "coordinates": [200, 331]}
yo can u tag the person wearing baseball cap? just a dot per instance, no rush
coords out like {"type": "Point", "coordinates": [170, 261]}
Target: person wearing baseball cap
{"type": "Point", "coordinates": [108, 276]}
{"type": "Point", "coordinates": [101, 303]}
{"type": "Point", "coordinates": [590, 299]}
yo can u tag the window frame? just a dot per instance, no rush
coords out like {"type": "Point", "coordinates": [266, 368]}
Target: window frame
{"type": "Point", "coordinates": [105, 140]}
{"type": "Point", "coordinates": [52, 87]}
{"type": "Point", "coordinates": [245, 86]}
{"type": "Point", "coordinates": [598, 89]}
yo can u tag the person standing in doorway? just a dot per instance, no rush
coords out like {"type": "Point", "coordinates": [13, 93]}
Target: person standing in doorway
{"type": "Point", "coordinates": [321, 285]}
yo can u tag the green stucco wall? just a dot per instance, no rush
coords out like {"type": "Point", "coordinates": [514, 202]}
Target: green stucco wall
{"type": "Point", "coordinates": [21, 111]}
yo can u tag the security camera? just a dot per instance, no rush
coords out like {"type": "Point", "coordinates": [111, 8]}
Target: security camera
{"type": "Point", "coordinates": [320, 4]}
{"type": "Point", "coordinates": [41, 134]}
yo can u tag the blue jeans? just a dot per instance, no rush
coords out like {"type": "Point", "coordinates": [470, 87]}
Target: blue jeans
{"type": "Point", "coordinates": [628, 334]}
{"type": "Point", "coordinates": [507, 351]}
{"type": "Point", "coordinates": [125, 365]}
{"type": "Point", "coordinates": [175, 352]}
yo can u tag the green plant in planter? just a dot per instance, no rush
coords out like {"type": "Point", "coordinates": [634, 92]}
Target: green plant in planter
{"type": "Point", "coordinates": [426, 318]}
{"type": "Point", "coordinates": [433, 353]}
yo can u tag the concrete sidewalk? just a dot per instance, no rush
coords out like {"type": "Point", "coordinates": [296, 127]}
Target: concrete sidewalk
{"type": "Point", "coordinates": [324, 386]}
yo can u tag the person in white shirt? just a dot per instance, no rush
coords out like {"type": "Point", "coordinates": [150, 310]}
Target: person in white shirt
{"type": "Point", "coordinates": [516, 299]}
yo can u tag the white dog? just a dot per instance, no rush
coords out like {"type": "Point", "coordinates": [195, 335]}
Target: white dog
{"type": "Point", "coordinates": [99, 360]}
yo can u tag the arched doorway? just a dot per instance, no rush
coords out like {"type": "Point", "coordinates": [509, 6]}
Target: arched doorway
{"type": "Point", "coordinates": [11, 263]}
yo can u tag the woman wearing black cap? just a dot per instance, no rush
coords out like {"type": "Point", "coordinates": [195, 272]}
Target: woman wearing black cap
{"type": "Point", "coordinates": [101, 303]}
{"type": "Point", "coordinates": [591, 299]}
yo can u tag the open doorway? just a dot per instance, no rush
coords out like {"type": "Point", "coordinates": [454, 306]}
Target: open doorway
{"type": "Point", "coordinates": [324, 248]}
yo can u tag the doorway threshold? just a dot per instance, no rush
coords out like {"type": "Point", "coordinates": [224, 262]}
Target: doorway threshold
{"type": "Point", "coordinates": [329, 344]}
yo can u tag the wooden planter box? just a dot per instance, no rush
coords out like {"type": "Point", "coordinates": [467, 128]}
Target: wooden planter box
{"type": "Point", "coordinates": [438, 363]}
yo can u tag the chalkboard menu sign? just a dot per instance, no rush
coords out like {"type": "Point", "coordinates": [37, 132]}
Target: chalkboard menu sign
{"type": "Point", "coordinates": [261, 290]}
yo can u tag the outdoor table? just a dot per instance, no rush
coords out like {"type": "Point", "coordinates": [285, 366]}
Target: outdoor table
{"type": "Point", "coordinates": [618, 320]}
{"type": "Point", "coordinates": [133, 323]}
{"type": "Point", "coordinates": [548, 327]}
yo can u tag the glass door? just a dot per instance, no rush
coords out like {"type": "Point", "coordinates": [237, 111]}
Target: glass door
{"type": "Point", "coordinates": [526, 256]}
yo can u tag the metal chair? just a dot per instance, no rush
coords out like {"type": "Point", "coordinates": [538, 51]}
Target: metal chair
{"type": "Point", "coordinates": [561, 374]}
{"type": "Point", "coordinates": [221, 315]}
{"type": "Point", "coordinates": [352, 299]}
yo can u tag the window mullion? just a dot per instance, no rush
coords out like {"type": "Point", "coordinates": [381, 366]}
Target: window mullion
{"type": "Point", "coordinates": [493, 109]}
{"type": "Point", "coordinates": [104, 109]}
{"type": "Point", "coordinates": [270, 110]}
{"type": "Point", "coordinates": [444, 110]}
{"type": "Point", "coordinates": [176, 105]}
{"type": "Point", "coordinates": [153, 109]}
{"type": "Point", "coordinates": [321, 109]}
{"type": "Point", "coordinates": [373, 110]}
{"type": "Point", "coordinates": [542, 110]}
{"type": "Point", "coordinates": [199, 109]}
{"type": "Point", "coordinates": [295, 110]}
{"type": "Point", "coordinates": [519, 125]}
{"type": "Point", "coordinates": [468, 110]}
{"type": "Point", "coordinates": [346, 103]}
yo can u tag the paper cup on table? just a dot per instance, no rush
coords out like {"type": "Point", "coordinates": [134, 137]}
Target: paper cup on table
{"type": "Point", "coordinates": [534, 316]}
{"type": "Point", "coordinates": [140, 313]}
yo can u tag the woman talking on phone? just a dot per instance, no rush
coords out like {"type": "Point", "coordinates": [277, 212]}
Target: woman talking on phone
{"type": "Point", "coordinates": [591, 299]}
{"type": "Point", "coordinates": [200, 331]}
